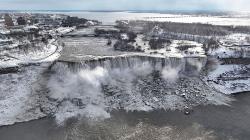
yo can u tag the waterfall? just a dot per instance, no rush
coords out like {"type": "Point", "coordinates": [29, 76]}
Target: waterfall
{"type": "Point", "coordinates": [135, 83]}
{"type": "Point", "coordinates": [186, 65]}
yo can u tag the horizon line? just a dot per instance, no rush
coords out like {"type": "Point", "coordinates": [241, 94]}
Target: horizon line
{"type": "Point", "coordinates": [127, 10]}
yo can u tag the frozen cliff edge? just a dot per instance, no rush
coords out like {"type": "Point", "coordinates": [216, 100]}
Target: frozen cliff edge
{"type": "Point", "coordinates": [18, 98]}
{"type": "Point", "coordinates": [128, 82]}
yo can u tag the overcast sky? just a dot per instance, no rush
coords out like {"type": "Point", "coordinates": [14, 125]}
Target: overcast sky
{"type": "Point", "coordinates": [232, 5]}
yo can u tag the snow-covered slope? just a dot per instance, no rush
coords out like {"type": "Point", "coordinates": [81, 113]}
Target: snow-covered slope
{"type": "Point", "coordinates": [15, 57]}
{"type": "Point", "coordinates": [230, 78]}
{"type": "Point", "coordinates": [17, 103]}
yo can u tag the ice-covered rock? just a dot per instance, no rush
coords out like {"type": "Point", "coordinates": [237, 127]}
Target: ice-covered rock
{"type": "Point", "coordinates": [132, 84]}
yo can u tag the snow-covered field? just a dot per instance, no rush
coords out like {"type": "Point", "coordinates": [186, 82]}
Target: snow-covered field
{"type": "Point", "coordinates": [171, 50]}
{"type": "Point", "coordinates": [85, 48]}
{"type": "Point", "coordinates": [235, 40]}
{"type": "Point", "coordinates": [231, 52]}
{"type": "Point", "coordinates": [232, 46]}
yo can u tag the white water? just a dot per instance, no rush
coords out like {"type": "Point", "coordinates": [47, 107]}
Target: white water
{"type": "Point", "coordinates": [93, 89]}
{"type": "Point", "coordinates": [125, 83]}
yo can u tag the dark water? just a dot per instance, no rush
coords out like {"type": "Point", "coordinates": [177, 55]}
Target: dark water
{"type": "Point", "coordinates": [205, 122]}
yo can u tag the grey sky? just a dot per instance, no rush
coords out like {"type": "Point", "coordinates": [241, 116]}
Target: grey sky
{"type": "Point", "coordinates": [235, 5]}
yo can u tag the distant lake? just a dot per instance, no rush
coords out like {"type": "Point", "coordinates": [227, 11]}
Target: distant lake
{"type": "Point", "coordinates": [111, 17]}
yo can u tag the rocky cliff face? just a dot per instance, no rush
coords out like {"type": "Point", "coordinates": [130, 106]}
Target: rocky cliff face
{"type": "Point", "coordinates": [131, 83]}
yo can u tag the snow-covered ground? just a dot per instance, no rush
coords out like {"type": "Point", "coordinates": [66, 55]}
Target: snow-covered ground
{"type": "Point", "coordinates": [4, 31]}
{"type": "Point", "coordinates": [230, 52]}
{"type": "Point", "coordinates": [46, 53]}
{"type": "Point", "coordinates": [230, 78]}
{"type": "Point", "coordinates": [232, 46]}
{"type": "Point", "coordinates": [18, 95]}
{"type": "Point", "coordinates": [236, 40]}
{"type": "Point", "coordinates": [17, 103]}
{"type": "Point", "coordinates": [18, 100]}
{"type": "Point", "coordinates": [171, 50]}
{"type": "Point", "coordinates": [11, 55]}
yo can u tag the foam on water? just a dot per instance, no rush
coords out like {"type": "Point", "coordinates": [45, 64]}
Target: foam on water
{"type": "Point", "coordinates": [139, 131]}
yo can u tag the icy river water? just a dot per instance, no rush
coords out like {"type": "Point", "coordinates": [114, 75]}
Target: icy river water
{"type": "Point", "coordinates": [205, 123]}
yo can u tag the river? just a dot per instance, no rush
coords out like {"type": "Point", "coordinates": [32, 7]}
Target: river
{"type": "Point", "coordinates": [205, 122]}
